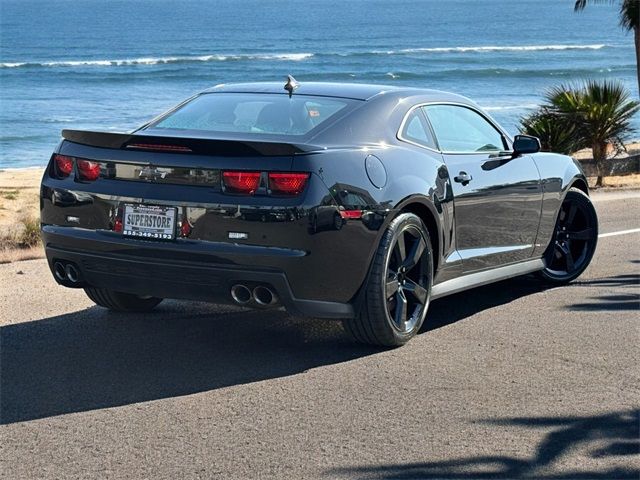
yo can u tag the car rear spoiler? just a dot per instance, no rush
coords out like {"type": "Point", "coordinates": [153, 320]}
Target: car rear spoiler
{"type": "Point", "coordinates": [200, 146]}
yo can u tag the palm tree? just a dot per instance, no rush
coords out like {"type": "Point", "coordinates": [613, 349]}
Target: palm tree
{"type": "Point", "coordinates": [600, 111]}
{"type": "Point", "coordinates": [556, 133]}
{"type": "Point", "coordinates": [629, 20]}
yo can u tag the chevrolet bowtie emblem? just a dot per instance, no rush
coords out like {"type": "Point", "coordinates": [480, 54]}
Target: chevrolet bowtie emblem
{"type": "Point", "coordinates": [152, 173]}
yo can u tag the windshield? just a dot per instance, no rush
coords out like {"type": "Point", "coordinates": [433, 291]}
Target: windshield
{"type": "Point", "coordinates": [253, 113]}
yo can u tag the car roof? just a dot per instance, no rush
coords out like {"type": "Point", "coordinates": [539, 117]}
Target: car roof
{"type": "Point", "coordinates": [358, 91]}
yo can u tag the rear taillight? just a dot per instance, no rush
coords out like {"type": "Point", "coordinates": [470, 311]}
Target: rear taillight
{"type": "Point", "coordinates": [241, 182]}
{"type": "Point", "coordinates": [88, 170]}
{"type": "Point", "coordinates": [287, 183]}
{"type": "Point", "coordinates": [64, 165]}
{"type": "Point", "coordinates": [279, 183]}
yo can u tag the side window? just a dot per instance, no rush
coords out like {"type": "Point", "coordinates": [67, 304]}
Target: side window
{"type": "Point", "coordinates": [416, 130]}
{"type": "Point", "coordinates": [460, 129]}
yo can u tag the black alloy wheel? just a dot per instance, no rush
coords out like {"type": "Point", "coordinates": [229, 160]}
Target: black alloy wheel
{"type": "Point", "coordinates": [397, 294]}
{"type": "Point", "coordinates": [574, 239]}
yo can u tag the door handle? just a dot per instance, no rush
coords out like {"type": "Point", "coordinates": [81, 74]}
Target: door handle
{"type": "Point", "coordinates": [463, 177]}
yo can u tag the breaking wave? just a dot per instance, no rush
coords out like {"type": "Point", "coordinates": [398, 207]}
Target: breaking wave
{"type": "Point", "coordinates": [295, 57]}
{"type": "Point", "coordinates": [496, 48]}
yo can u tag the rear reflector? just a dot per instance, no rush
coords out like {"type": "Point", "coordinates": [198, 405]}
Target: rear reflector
{"type": "Point", "coordinates": [64, 165]}
{"type": "Point", "coordinates": [351, 214]}
{"type": "Point", "coordinates": [241, 182]}
{"type": "Point", "coordinates": [185, 228]}
{"type": "Point", "coordinates": [287, 183]}
{"type": "Point", "coordinates": [88, 170]}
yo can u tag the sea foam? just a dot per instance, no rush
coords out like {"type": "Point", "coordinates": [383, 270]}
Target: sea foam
{"type": "Point", "coordinates": [495, 48]}
{"type": "Point", "coordinates": [294, 57]}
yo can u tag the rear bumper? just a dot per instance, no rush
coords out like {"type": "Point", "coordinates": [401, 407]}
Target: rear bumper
{"type": "Point", "coordinates": [184, 269]}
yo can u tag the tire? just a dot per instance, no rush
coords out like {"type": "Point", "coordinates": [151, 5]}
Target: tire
{"type": "Point", "coordinates": [121, 302]}
{"type": "Point", "coordinates": [397, 293]}
{"type": "Point", "coordinates": [574, 239]}
{"type": "Point", "coordinates": [338, 221]}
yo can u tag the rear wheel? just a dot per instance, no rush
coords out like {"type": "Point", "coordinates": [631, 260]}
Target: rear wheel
{"type": "Point", "coordinates": [121, 302]}
{"type": "Point", "coordinates": [574, 239]}
{"type": "Point", "coordinates": [397, 293]}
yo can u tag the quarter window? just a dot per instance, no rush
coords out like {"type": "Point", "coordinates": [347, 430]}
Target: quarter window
{"type": "Point", "coordinates": [461, 129]}
{"type": "Point", "coordinates": [416, 130]}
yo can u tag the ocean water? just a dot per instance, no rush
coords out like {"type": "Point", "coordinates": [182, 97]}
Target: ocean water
{"type": "Point", "coordinates": [115, 64]}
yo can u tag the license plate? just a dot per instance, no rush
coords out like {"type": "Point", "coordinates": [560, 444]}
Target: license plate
{"type": "Point", "coordinates": [149, 221]}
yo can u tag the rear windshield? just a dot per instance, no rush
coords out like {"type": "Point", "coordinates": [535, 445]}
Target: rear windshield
{"type": "Point", "coordinates": [268, 114]}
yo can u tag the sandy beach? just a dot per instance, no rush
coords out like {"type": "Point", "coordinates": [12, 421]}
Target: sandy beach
{"type": "Point", "coordinates": [19, 194]}
{"type": "Point", "coordinates": [19, 214]}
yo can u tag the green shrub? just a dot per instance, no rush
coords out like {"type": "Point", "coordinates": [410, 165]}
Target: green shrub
{"type": "Point", "coordinates": [556, 134]}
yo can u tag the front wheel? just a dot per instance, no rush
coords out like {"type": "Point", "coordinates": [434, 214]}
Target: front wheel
{"type": "Point", "coordinates": [574, 239]}
{"type": "Point", "coordinates": [398, 290]}
{"type": "Point", "coordinates": [121, 302]}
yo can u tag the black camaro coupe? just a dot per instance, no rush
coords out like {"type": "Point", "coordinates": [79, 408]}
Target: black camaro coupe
{"type": "Point", "coordinates": [355, 202]}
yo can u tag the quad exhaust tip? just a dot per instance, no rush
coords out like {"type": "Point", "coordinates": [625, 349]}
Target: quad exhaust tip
{"type": "Point", "coordinates": [241, 294]}
{"type": "Point", "coordinates": [261, 295]}
{"type": "Point", "coordinates": [66, 272]}
{"type": "Point", "coordinates": [72, 273]}
{"type": "Point", "coordinates": [264, 296]}
{"type": "Point", "coordinates": [59, 271]}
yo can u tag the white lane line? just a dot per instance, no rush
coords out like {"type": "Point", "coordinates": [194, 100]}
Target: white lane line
{"type": "Point", "coordinates": [621, 232]}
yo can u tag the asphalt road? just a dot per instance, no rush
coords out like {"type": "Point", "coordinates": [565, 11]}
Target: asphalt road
{"type": "Point", "coordinates": [510, 380]}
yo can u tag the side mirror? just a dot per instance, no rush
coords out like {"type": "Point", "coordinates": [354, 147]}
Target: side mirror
{"type": "Point", "coordinates": [523, 144]}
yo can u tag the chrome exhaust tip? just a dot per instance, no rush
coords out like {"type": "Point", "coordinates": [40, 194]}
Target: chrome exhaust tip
{"type": "Point", "coordinates": [72, 273]}
{"type": "Point", "coordinates": [240, 294]}
{"type": "Point", "coordinates": [264, 296]}
{"type": "Point", "coordinates": [59, 271]}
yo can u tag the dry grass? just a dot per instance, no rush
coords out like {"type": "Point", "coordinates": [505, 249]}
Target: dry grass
{"type": "Point", "coordinates": [19, 213]}
{"type": "Point", "coordinates": [586, 153]}
{"type": "Point", "coordinates": [10, 255]}
{"type": "Point", "coordinates": [19, 199]}
{"type": "Point", "coordinates": [21, 241]}
{"type": "Point", "coordinates": [23, 234]}
{"type": "Point", "coordinates": [622, 181]}
{"type": "Point", "coordinates": [29, 234]}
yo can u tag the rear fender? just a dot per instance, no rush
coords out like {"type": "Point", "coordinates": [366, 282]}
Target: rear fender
{"type": "Point", "coordinates": [414, 177]}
